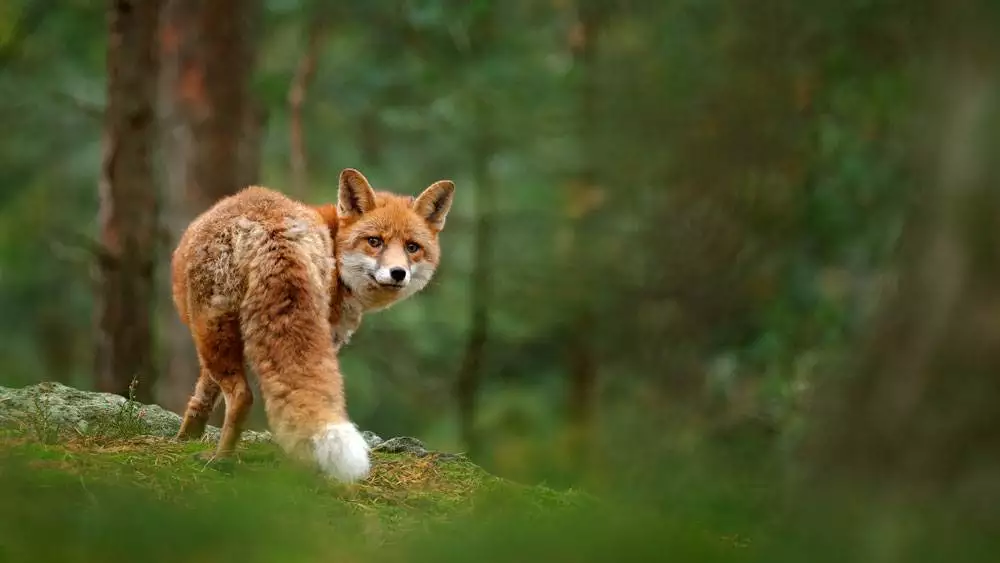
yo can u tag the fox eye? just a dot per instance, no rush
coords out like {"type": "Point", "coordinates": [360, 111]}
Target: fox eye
{"type": "Point", "coordinates": [375, 242]}
{"type": "Point", "coordinates": [412, 247]}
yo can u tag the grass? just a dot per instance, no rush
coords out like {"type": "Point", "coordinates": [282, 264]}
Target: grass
{"type": "Point", "coordinates": [94, 485]}
{"type": "Point", "coordinates": [103, 497]}
{"type": "Point", "coordinates": [125, 421]}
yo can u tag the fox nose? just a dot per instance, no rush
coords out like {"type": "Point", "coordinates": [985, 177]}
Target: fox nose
{"type": "Point", "coordinates": [398, 274]}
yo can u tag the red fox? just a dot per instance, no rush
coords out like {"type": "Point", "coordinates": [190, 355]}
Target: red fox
{"type": "Point", "coordinates": [283, 284]}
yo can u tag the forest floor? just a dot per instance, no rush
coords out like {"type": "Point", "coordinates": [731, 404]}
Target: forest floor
{"type": "Point", "coordinates": [91, 477]}
{"type": "Point", "coordinates": [110, 491]}
{"type": "Point", "coordinates": [113, 498]}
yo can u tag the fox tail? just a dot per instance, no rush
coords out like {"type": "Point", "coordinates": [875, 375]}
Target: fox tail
{"type": "Point", "coordinates": [287, 339]}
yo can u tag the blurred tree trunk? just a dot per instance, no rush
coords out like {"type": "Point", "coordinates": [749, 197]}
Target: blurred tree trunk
{"type": "Point", "coordinates": [581, 194]}
{"type": "Point", "coordinates": [923, 408]}
{"type": "Point", "coordinates": [484, 146]}
{"type": "Point", "coordinates": [212, 133]}
{"type": "Point", "coordinates": [370, 137]}
{"type": "Point", "coordinates": [58, 343]}
{"type": "Point", "coordinates": [296, 99]}
{"type": "Point", "coordinates": [128, 214]}
{"type": "Point", "coordinates": [386, 40]}
{"type": "Point", "coordinates": [251, 142]}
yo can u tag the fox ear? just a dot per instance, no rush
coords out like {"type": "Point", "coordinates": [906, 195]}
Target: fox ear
{"type": "Point", "coordinates": [435, 202]}
{"type": "Point", "coordinates": [355, 195]}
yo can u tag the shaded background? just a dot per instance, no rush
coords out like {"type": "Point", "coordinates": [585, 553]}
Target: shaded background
{"type": "Point", "coordinates": [768, 224]}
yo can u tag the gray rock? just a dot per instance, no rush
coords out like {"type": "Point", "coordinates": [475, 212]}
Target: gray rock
{"type": "Point", "coordinates": [402, 445]}
{"type": "Point", "coordinates": [412, 446]}
{"type": "Point", "coordinates": [372, 438]}
{"type": "Point", "coordinates": [54, 407]}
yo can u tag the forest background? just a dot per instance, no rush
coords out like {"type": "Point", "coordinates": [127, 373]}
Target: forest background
{"type": "Point", "coordinates": [769, 224]}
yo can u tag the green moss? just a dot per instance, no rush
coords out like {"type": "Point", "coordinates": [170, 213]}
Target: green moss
{"type": "Point", "coordinates": [149, 499]}
{"type": "Point", "coordinates": [97, 458]}
{"type": "Point", "coordinates": [405, 493]}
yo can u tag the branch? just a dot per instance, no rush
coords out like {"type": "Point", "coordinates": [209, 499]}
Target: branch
{"type": "Point", "coordinates": [296, 98]}
{"type": "Point", "coordinates": [89, 109]}
{"type": "Point", "coordinates": [78, 247]}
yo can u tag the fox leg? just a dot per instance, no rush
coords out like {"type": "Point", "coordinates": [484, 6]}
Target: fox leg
{"type": "Point", "coordinates": [220, 352]}
{"type": "Point", "coordinates": [239, 400]}
{"type": "Point", "coordinates": [200, 407]}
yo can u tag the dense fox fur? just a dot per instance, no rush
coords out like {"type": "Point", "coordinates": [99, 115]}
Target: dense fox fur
{"type": "Point", "coordinates": [283, 285]}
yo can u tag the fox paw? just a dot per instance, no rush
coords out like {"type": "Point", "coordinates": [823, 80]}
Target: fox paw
{"type": "Point", "coordinates": [342, 452]}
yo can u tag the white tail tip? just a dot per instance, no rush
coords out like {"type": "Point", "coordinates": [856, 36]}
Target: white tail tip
{"type": "Point", "coordinates": [341, 452]}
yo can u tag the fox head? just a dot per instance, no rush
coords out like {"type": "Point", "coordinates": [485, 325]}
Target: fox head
{"type": "Point", "coordinates": [387, 244]}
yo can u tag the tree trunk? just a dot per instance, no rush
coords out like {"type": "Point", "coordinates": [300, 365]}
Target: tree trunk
{"type": "Point", "coordinates": [213, 130]}
{"type": "Point", "coordinates": [255, 118]}
{"type": "Point", "coordinates": [296, 99]}
{"type": "Point", "coordinates": [58, 343]}
{"type": "Point", "coordinates": [484, 204]}
{"type": "Point", "coordinates": [370, 137]}
{"type": "Point", "coordinates": [581, 363]}
{"type": "Point", "coordinates": [484, 146]}
{"type": "Point", "coordinates": [128, 214]}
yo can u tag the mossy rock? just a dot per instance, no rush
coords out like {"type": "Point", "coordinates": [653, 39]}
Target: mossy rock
{"type": "Point", "coordinates": [99, 428]}
{"type": "Point", "coordinates": [53, 411]}
{"type": "Point", "coordinates": [53, 408]}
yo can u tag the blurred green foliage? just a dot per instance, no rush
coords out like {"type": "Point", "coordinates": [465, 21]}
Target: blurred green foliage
{"type": "Point", "coordinates": [723, 187]}
{"type": "Point", "coordinates": [750, 187]}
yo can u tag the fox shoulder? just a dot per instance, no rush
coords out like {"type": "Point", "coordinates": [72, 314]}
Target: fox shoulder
{"type": "Point", "coordinates": [329, 214]}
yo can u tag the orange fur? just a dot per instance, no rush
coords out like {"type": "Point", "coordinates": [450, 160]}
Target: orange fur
{"type": "Point", "coordinates": [258, 276]}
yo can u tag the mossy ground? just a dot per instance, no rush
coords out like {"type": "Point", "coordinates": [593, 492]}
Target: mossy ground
{"type": "Point", "coordinates": [143, 498]}
{"type": "Point", "coordinates": [153, 485]}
